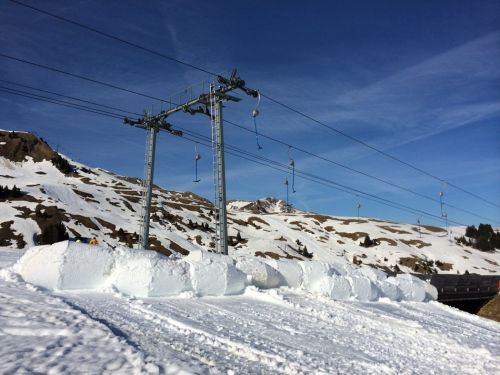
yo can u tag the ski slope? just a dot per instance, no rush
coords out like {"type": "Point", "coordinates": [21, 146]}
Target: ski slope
{"type": "Point", "coordinates": [271, 331]}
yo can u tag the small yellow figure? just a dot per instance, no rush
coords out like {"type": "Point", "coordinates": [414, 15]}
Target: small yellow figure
{"type": "Point", "coordinates": [93, 241]}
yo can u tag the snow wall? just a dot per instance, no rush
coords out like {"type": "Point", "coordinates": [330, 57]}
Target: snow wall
{"type": "Point", "coordinates": [140, 273]}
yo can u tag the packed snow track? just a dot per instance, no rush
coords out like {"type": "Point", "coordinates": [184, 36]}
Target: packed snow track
{"type": "Point", "coordinates": [261, 331]}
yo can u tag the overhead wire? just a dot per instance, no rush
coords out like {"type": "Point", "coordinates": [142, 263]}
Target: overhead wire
{"type": "Point", "coordinates": [89, 109]}
{"type": "Point", "coordinates": [285, 167]}
{"type": "Point", "coordinates": [102, 83]}
{"type": "Point", "coordinates": [278, 102]}
{"type": "Point", "coordinates": [81, 108]}
{"type": "Point", "coordinates": [114, 37]}
{"type": "Point", "coordinates": [389, 183]}
{"type": "Point", "coordinates": [68, 97]}
{"type": "Point", "coordinates": [264, 161]}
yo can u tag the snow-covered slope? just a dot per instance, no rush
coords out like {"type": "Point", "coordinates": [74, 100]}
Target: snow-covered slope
{"type": "Point", "coordinates": [94, 202]}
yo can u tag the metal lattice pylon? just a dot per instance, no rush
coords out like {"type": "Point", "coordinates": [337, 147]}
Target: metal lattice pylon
{"type": "Point", "coordinates": [147, 186]}
{"type": "Point", "coordinates": [220, 237]}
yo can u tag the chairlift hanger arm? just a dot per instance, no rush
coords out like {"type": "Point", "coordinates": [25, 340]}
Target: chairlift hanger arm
{"type": "Point", "coordinates": [235, 82]}
{"type": "Point", "coordinates": [157, 124]}
{"type": "Point", "coordinates": [136, 123]}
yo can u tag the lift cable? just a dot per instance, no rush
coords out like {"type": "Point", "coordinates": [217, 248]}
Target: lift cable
{"type": "Point", "coordinates": [234, 151]}
{"type": "Point", "coordinates": [13, 58]}
{"type": "Point", "coordinates": [285, 167]}
{"type": "Point", "coordinates": [323, 181]}
{"type": "Point", "coordinates": [170, 58]}
{"type": "Point", "coordinates": [115, 115]}
{"type": "Point", "coordinates": [389, 183]}
{"type": "Point", "coordinates": [73, 106]}
{"type": "Point", "coordinates": [69, 97]}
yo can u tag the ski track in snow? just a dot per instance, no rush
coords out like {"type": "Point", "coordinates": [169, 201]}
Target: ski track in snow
{"type": "Point", "coordinates": [260, 332]}
{"type": "Point", "coordinates": [292, 332]}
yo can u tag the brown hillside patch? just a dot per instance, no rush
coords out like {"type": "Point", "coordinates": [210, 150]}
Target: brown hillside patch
{"type": "Point", "coordinates": [257, 219]}
{"type": "Point", "coordinates": [330, 229]}
{"type": "Point", "coordinates": [132, 198]}
{"type": "Point", "coordinates": [116, 204]}
{"type": "Point", "coordinates": [7, 236]}
{"type": "Point", "coordinates": [409, 262]}
{"type": "Point", "coordinates": [353, 236]}
{"type": "Point", "coordinates": [18, 146]}
{"type": "Point", "coordinates": [393, 230]}
{"type": "Point", "coordinates": [74, 232]}
{"type": "Point", "coordinates": [492, 309]}
{"type": "Point", "coordinates": [380, 266]}
{"type": "Point", "coordinates": [443, 266]}
{"type": "Point", "coordinates": [340, 242]}
{"type": "Point", "coordinates": [87, 196]}
{"type": "Point", "coordinates": [83, 194]}
{"type": "Point", "coordinates": [190, 207]}
{"type": "Point", "coordinates": [155, 244]}
{"type": "Point", "coordinates": [198, 240]}
{"type": "Point", "coordinates": [177, 248]}
{"type": "Point", "coordinates": [433, 229]}
{"type": "Point", "coordinates": [416, 264]}
{"type": "Point", "coordinates": [272, 255]}
{"type": "Point", "coordinates": [491, 262]}
{"type": "Point", "coordinates": [251, 221]}
{"type": "Point", "coordinates": [85, 221]}
{"type": "Point", "coordinates": [23, 198]}
{"type": "Point", "coordinates": [106, 224]}
{"type": "Point", "coordinates": [25, 212]}
{"type": "Point", "coordinates": [301, 226]}
{"type": "Point", "coordinates": [382, 221]}
{"type": "Point", "coordinates": [321, 218]}
{"type": "Point", "coordinates": [419, 244]}
{"type": "Point", "coordinates": [6, 176]}
{"type": "Point", "coordinates": [389, 241]}
{"type": "Point", "coordinates": [128, 205]}
{"type": "Point", "coordinates": [88, 181]}
{"type": "Point", "coordinates": [131, 180]}
{"type": "Point", "coordinates": [349, 221]}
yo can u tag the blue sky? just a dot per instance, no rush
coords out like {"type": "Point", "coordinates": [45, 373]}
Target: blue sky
{"type": "Point", "coordinates": [419, 80]}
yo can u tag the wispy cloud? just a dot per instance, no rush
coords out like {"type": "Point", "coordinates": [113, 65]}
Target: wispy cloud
{"type": "Point", "coordinates": [450, 90]}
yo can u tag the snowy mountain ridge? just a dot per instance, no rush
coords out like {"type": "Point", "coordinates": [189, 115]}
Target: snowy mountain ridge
{"type": "Point", "coordinates": [92, 202]}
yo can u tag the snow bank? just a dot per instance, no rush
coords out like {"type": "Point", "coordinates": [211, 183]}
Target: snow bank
{"type": "Point", "coordinates": [314, 273]}
{"type": "Point", "coordinates": [261, 274]}
{"type": "Point", "coordinates": [140, 273]}
{"type": "Point", "coordinates": [214, 274]}
{"type": "Point", "coordinates": [66, 266]}
{"type": "Point", "coordinates": [291, 272]}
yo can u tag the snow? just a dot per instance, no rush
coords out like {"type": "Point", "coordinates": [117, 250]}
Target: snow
{"type": "Point", "coordinates": [147, 274]}
{"type": "Point", "coordinates": [261, 274]}
{"type": "Point", "coordinates": [66, 266]}
{"type": "Point", "coordinates": [139, 273]}
{"type": "Point", "coordinates": [290, 271]}
{"type": "Point", "coordinates": [272, 331]}
{"type": "Point", "coordinates": [329, 238]}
